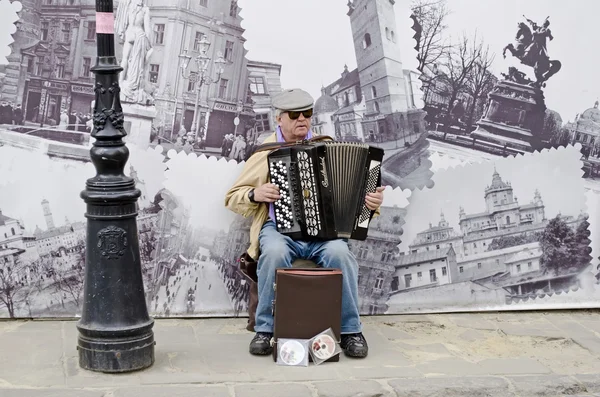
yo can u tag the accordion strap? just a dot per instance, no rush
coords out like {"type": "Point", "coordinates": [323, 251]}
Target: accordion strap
{"type": "Point", "coordinates": [277, 145]}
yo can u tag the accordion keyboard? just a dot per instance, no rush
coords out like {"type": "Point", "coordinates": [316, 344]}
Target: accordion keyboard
{"type": "Point", "coordinates": [283, 207]}
{"type": "Point", "coordinates": [309, 194]}
{"type": "Point", "coordinates": [372, 180]}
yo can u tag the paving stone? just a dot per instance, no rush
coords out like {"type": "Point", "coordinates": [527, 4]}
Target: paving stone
{"type": "Point", "coordinates": [593, 325]}
{"type": "Point", "coordinates": [473, 321]}
{"type": "Point", "coordinates": [547, 385]}
{"type": "Point", "coordinates": [592, 343]}
{"type": "Point", "coordinates": [76, 377]}
{"type": "Point", "coordinates": [495, 366]}
{"type": "Point", "coordinates": [171, 391]}
{"type": "Point", "coordinates": [506, 366]}
{"type": "Point", "coordinates": [174, 334]}
{"type": "Point", "coordinates": [523, 329]}
{"type": "Point", "coordinates": [472, 335]}
{"type": "Point", "coordinates": [432, 348]}
{"type": "Point", "coordinates": [33, 357]}
{"type": "Point", "coordinates": [44, 325]}
{"type": "Point", "coordinates": [449, 366]}
{"type": "Point", "coordinates": [377, 372]}
{"type": "Point", "coordinates": [485, 386]}
{"type": "Point", "coordinates": [192, 365]}
{"type": "Point", "coordinates": [400, 318]}
{"type": "Point", "coordinates": [51, 392]}
{"type": "Point", "coordinates": [571, 327]}
{"type": "Point", "coordinates": [590, 381]}
{"type": "Point", "coordinates": [351, 388]}
{"type": "Point", "coordinates": [393, 333]}
{"type": "Point", "coordinates": [273, 389]}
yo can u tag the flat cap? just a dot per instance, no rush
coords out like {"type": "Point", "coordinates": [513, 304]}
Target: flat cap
{"type": "Point", "coordinates": [293, 99]}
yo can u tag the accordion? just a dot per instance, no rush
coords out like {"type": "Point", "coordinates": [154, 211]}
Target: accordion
{"type": "Point", "coordinates": [323, 187]}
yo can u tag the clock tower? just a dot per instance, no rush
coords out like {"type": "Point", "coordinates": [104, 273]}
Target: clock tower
{"type": "Point", "coordinates": [385, 85]}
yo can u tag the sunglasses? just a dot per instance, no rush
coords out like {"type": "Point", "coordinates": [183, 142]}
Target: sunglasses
{"type": "Point", "coordinates": [294, 114]}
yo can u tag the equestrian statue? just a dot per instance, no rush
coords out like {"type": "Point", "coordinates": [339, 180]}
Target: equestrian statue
{"type": "Point", "coordinates": [530, 48]}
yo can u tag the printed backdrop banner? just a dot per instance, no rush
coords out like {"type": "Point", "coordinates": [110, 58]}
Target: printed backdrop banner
{"type": "Point", "coordinates": [490, 161]}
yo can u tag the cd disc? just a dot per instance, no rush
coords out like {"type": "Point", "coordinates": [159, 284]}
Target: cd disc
{"type": "Point", "coordinates": [323, 347]}
{"type": "Point", "coordinates": [292, 352]}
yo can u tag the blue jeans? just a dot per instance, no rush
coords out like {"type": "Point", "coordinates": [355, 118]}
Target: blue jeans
{"type": "Point", "coordinates": [277, 250]}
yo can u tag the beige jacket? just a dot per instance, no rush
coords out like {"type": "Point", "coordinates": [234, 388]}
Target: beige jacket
{"type": "Point", "coordinates": [254, 174]}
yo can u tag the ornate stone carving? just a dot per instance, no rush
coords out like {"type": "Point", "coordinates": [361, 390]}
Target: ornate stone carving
{"type": "Point", "coordinates": [112, 242]}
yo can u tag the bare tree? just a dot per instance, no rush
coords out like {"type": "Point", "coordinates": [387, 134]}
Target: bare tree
{"type": "Point", "coordinates": [430, 16]}
{"type": "Point", "coordinates": [11, 284]}
{"type": "Point", "coordinates": [480, 81]}
{"type": "Point", "coordinates": [69, 281]}
{"type": "Point", "coordinates": [458, 63]}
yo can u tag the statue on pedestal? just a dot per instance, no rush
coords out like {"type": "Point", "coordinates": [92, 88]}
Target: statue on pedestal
{"type": "Point", "coordinates": [530, 48]}
{"type": "Point", "coordinates": [132, 26]}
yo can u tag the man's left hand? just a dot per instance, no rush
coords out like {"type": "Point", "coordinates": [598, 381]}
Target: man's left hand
{"type": "Point", "coordinates": [374, 200]}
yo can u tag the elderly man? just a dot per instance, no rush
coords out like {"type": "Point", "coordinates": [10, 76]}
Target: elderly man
{"type": "Point", "coordinates": [253, 195]}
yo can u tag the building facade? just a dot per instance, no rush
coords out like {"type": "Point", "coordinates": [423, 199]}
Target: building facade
{"type": "Point", "coordinates": [385, 85]}
{"type": "Point", "coordinates": [50, 68]}
{"type": "Point", "coordinates": [265, 82]}
{"type": "Point", "coordinates": [503, 210]}
{"type": "Point", "coordinates": [27, 33]}
{"type": "Point", "coordinates": [424, 270]}
{"type": "Point", "coordinates": [586, 129]}
{"type": "Point", "coordinates": [375, 257]}
{"type": "Point", "coordinates": [442, 236]}
{"type": "Point", "coordinates": [376, 101]}
{"type": "Point", "coordinates": [181, 25]}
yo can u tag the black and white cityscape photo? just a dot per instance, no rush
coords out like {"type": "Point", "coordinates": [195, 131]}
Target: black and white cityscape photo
{"type": "Point", "coordinates": [512, 233]}
{"type": "Point", "coordinates": [195, 106]}
{"type": "Point", "coordinates": [360, 65]}
{"type": "Point", "coordinates": [502, 78]}
{"type": "Point", "coordinates": [496, 78]}
{"type": "Point", "coordinates": [185, 81]}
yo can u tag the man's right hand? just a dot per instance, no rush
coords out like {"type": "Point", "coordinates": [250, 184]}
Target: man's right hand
{"type": "Point", "coordinates": [267, 193]}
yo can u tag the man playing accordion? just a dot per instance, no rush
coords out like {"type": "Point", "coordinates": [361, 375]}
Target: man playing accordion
{"type": "Point", "coordinates": [273, 250]}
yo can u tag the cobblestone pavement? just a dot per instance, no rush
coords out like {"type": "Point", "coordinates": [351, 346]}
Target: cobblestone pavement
{"type": "Point", "coordinates": [495, 354]}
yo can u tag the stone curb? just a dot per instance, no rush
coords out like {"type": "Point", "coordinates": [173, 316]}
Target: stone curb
{"type": "Point", "coordinates": [497, 386]}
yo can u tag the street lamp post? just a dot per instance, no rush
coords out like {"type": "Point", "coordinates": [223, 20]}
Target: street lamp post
{"type": "Point", "coordinates": [115, 330]}
{"type": "Point", "coordinates": [200, 78]}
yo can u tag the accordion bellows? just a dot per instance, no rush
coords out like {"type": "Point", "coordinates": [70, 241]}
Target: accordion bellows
{"type": "Point", "coordinates": [323, 187]}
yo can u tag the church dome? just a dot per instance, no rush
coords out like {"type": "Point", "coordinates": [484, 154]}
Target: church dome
{"type": "Point", "coordinates": [325, 103]}
{"type": "Point", "coordinates": [592, 114]}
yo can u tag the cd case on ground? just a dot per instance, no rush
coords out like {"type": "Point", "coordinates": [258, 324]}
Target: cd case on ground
{"type": "Point", "coordinates": [292, 352]}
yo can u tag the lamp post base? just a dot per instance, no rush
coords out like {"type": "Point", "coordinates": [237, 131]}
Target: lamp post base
{"type": "Point", "coordinates": [116, 351]}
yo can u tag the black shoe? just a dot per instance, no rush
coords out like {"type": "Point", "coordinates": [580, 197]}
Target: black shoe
{"type": "Point", "coordinates": [261, 344]}
{"type": "Point", "coordinates": [354, 345]}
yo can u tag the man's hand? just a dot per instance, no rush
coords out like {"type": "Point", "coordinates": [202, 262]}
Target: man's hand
{"type": "Point", "coordinates": [267, 193]}
{"type": "Point", "coordinates": [374, 200]}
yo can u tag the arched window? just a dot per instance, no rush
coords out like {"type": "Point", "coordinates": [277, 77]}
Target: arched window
{"type": "Point", "coordinates": [12, 229]}
{"type": "Point", "coordinates": [387, 33]}
{"type": "Point", "coordinates": [393, 37]}
{"type": "Point", "coordinates": [508, 220]}
{"type": "Point", "coordinates": [366, 40]}
{"type": "Point", "coordinates": [376, 107]}
{"type": "Point", "coordinates": [374, 91]}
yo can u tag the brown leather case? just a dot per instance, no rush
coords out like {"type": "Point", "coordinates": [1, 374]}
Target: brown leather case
{"type": "Point", "coordinates": [307, 302]}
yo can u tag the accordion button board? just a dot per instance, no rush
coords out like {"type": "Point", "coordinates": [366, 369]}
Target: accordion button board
{"type": "Point", "coordinates": [284, 210]}
{"type": "Point", "coordinates": [323, 187]}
